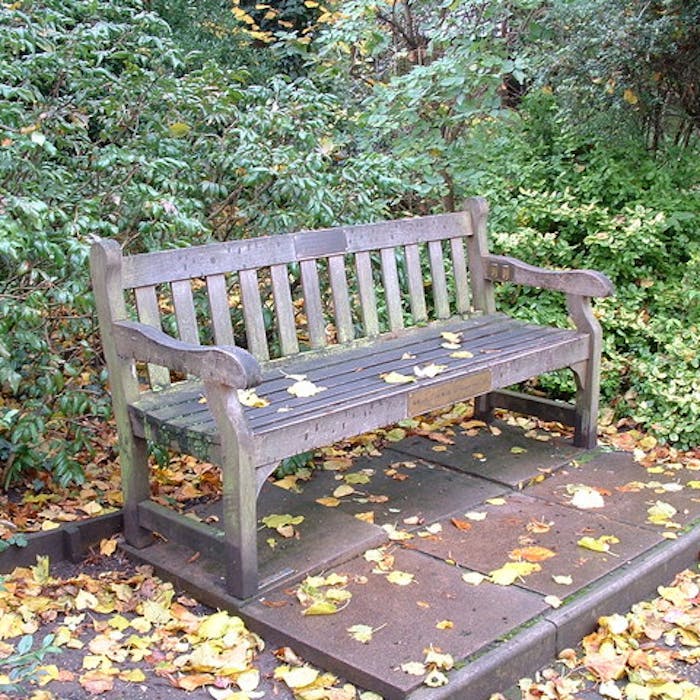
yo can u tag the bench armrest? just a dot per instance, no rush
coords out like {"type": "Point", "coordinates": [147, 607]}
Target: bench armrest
{"type": "Point", "coordinates": [588, 283]}
{"type": "Point", "coordinates": [223, 364]}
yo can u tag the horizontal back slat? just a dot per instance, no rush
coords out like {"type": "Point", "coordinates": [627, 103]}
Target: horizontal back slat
{"type": "Point", "coordinates": [219, 258]}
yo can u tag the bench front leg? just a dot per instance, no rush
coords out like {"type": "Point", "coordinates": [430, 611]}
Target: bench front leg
{"type": "Point", "coordinates": [587, 373]}
{"type": "Point", "coordinates": [238, 469]}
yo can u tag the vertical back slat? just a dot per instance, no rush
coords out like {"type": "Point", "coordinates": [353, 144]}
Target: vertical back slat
{"type": "Point", "coordinates": [392, 290]}
{"type": "Point", "coordinates": [459, 265]}
{"type": "Point", "coordinates": [437, 271]}
{"type": "Point", "coordinates": [252, 314]}
{"type": "Point", "coordinates": [416, 289]}
{"type": "Point", "coordinates": [147, 308]}
{"type": "Point", "coordinates": [284, 309]}
{"type": "Point", "coordinates": [217, 295]}
{"type": "Point", "coordinates": [184, 311]}
{"type": "Point", "coordinates": [341, 298]}
{"type": "Point", "coordinates": [312, 303]}
{"type": "Point", "coordinates": [368, 297]}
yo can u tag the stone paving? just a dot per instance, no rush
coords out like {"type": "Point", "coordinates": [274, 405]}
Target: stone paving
{"type": "Point", "coordinates": [521, 489]}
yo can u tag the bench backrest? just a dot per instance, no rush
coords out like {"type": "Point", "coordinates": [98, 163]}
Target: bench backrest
{"type": "Point", "coordinates": [284, 294]}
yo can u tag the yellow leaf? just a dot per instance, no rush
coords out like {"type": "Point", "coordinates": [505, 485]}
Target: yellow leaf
{"type": "Point", "coordinates": [562, 580]}
{"type": "Point", "coordinates": [85, 600]}
{"type": "Point", "coordinates": [275, 521]}
{"type": "Point", "coordinates": [445, 625]}
{"type": "Point", "coordinates": [366, 516]}
{"type": "Point", "coordinates": [473, 578]}
{"type": "Point", "coordinates": [414, 668]}
{"type": "Point", "coordinates": [450, 337]}
{"type": "Point", "coordinates": [630, 97]}
{"type": "Point", "coordinates": [303, 388]}
{"type": "Point", "coordinates": [461, 354]}
{"type": "Point", "coordinates": [46, 674]}
{"type": "Point", "coordinates": [343, 490]}
{"type": "Point", "coordinates": [400, 578]}
{"type": "Point", "coordinates": [512, 571]}
{"type": "Point", "coordinates": [91, 508]}
{"type": "Point", "coordinates": [328, 501]}
{"type": "Point", "coordinates": [134, 675]}
{"type": "Point", "coordinates": [396, 535]}
{"type": "Point", "coordinates": [361, 633]}
{"type": "Point", "coordinates": [429, 371]}
{"type": "Point", "coordinates": [321, 607]}
{"type": "Point", "coordinates": [49, 525]}
{"type": "Point", "coordinates": [179, 129]}
{"type": "Point", "coordinates": [517, 450]}
{"type": "Point", "coordinates": [249, 398]}
{"type": "Point", "coordinates": [396, 378]}
{"type": "Point", "coordinates": [660, 513]}
{"type": "Point", "coordinates": [357, 477]}
{"type": "Point", "coordinates": [601, 544]}
{"type": "Point", "coordinates": [249, 680]}
{"type": "Point", "coordinates": [496, 501]}
{"type": "Point", "coordinates": [553, 601]}
{"type": "Point", "coordinates": [108, 546]}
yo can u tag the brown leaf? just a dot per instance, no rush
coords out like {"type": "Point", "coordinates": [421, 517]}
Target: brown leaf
{"type": "Point", "coordinates": [461, 524]}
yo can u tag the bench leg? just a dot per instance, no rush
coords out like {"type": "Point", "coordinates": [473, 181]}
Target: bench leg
{"type": "Point", "coordinates": [587, 390]}
{"type": "Point", "coordinates": [483, 407]}
{"type": "Point", "coordinates": [239, 492]}
{"type": "Point", "coordinates": [133, 456]}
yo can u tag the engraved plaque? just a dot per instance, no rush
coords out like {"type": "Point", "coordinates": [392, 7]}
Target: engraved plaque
{"type": "Point", "coordinates": [432, 397]}
{"type": "Point", "coordinates": [319, 244]}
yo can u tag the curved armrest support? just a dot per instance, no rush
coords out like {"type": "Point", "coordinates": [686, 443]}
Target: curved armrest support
{"type": "Point", "coordinates": [221, 364]}
{"type": "Point", "coordinates": [588, 283]}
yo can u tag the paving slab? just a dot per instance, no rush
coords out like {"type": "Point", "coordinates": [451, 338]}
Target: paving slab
{"type": "Point", "coordinates": [325, 536]}
{"type": "Point", "coordinates": [404, 618]}
{"type": "Point", "coordinates": [502, 453]}
{"type": "Point", "coordinates": [628, 489]}
{"type": "Point", "coordinates": [399, 488]}
{"type": "Point", "coordinates": [524, 522]}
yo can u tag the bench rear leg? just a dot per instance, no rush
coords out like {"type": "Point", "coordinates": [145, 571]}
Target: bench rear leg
{"type": "Point", "coordinates": [586, 419]}
{"type": "Point", "coordinates": [135, 471]}
{"type": "Point", "coordinates": [239, 492]}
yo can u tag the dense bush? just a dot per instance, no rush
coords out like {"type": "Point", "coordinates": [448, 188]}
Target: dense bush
{"type": "Point", "coordinates": [115, 122]}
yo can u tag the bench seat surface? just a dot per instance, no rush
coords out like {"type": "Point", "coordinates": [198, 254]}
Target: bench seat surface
{"type": "Point", "coordinates": [356, 399]}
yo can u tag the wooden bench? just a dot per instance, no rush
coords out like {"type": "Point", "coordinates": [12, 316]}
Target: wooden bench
{"type": "Point", "coordinates": [341, 306]}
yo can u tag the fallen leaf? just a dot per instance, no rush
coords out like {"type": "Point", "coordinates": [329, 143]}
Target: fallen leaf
{"type": "Point", "coordinates": [562, 580]}
{"type": "Point", "coordinates": [361, 633]}
{"type": "Point", "coordinates": [476, 516]}
{"type": "Point", "coordinates": [451, 337]}
{"type": "Point", "coordinates": [473, 578]}
{"type": "Point", "coordinates": [275, 521]}
{"type": "Point", "coordinates": [553, 601]}
{"type": "Point", "coordinates": [303, 389]}
{"type": "Point", "coordinates": [510, 572]}
{"type": "Point", "coordinates": [461, 354]}
{"type": "Point", "coordinates": [533, 553]}
{"type": "Point", "coordinates": [296, 677]}
{"type": "Point", "coordinates": [435, 679]}
{"type": "Point", "coordinates": [445, 625]}
{"type": "Point", "coordinates": [498, 501]}
{"type": "Point", "coordinates": [585, 497]}
{"type": "Point", "coordinates": [601, 544]}
{"type": "Point", "coordinates": [248, 397]}
{"type": "Point", "coordinates": [461, 524]}
{"type": "Point", "coordinates": [429, 371]}
{"type": "Point", "coordinates": [108, 546]}
{"type": "Point", "coordinates": [343, 490]}
{"type": "Point", "coordinates": [660, 513]}
{"type": "Point", "coordinates": [400, 578]}
{"type": "Point", "coordinates": [328, 501]}
{"type": "Point", "coordinates": [414, 668]}
{"type": "Point", "coordinates": [396, 378]}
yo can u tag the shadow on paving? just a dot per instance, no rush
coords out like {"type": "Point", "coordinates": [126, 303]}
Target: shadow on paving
{"type": "Point", "coordinates": [466, 507]}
